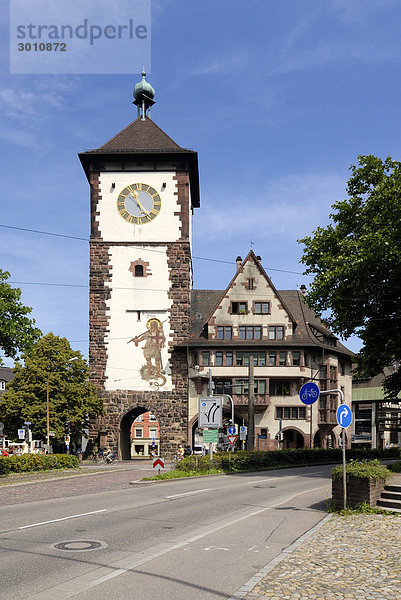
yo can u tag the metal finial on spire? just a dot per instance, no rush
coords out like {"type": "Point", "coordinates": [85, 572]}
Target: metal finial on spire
{"type": "Point", "coordinates": [143, 94]}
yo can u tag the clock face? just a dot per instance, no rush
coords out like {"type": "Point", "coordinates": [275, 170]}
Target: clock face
{"type": "Point", "coordinates": [139, 203]}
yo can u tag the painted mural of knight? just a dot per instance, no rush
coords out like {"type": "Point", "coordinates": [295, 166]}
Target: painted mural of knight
{"type": "Point", "coordinates": [155, 340]}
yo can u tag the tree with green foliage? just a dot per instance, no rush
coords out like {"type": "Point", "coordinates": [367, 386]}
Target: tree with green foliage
{"type": "Point", "coordinates": [17, 331]}
{"type": "Point", "coordinates": [356, 263]}
{"type": "Point", "coordinates": [52, 365]}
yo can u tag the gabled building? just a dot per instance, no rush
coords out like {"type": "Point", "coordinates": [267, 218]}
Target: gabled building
{"type": "Point", "coordinates": [290, 346]}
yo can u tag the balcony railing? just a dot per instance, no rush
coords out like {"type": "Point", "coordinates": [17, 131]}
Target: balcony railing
{"type": "Point", "coordinates": [261, 400]}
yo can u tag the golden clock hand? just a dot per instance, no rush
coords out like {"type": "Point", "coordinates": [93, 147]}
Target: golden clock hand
{"type": "Point", "coordinates": [141, 207]}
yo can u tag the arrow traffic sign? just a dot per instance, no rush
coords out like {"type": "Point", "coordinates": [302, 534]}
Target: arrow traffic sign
{"type": "Point", "coordinates": [210, 413]}
{"type": "Point", "coordinates": [158, 463]}
{"type": "Point", "coordinates": [344, 415]}
{"type": "Point", "coordinates": [232, 439]}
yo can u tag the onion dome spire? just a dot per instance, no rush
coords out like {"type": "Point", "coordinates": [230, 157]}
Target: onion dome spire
{"type": "Point", "coordinates": [143, 94]}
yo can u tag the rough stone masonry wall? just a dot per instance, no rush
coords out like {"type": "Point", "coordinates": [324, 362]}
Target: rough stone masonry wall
{"type": "Point", "coordinates": [359, 490]}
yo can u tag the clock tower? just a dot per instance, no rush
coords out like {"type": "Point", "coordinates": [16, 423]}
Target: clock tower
{"type": "Point", "coordinates": [143, 189]}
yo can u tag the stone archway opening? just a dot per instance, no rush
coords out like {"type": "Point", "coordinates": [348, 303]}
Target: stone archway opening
{"type": "Point", "coordinates": [139, 434]}
{"type": "Point", "coordinates": [293, 439]}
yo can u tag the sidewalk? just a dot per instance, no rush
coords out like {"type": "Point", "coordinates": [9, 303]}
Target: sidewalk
{"type": "Point", "coordinates": [354, 557]}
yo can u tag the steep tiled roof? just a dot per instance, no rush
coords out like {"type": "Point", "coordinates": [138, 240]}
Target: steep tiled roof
{"type": "Point", "coordinates": [204, 301]}
{"type": "Point", "coordinates": [140, 136]}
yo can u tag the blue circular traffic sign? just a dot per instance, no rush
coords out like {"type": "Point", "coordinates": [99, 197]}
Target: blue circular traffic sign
{"type": "Point", "coordinates": [309, 393]}
{"type": "Point", "coordinates": [232, 430]}
{"type": "Point", "coordinates": [344, 415]}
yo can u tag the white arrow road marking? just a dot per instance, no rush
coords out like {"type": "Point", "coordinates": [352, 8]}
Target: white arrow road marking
{"type": "Point", "coordinates": [63, 519]}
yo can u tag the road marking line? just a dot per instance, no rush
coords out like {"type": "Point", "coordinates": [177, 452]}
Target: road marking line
{"type": "Point", "coordinates": [63, 519]}
{"type": "Point", "coordinates": [189, 493]}
{"type": "Point", "coordinates": [83, 583]}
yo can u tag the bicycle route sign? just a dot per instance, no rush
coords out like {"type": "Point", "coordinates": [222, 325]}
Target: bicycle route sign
{"type": "Point", "coordinates": [210, 412]}
{"type": "Point", "coordinates": [309, 393]}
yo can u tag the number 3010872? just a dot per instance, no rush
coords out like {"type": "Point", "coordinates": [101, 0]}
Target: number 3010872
{"type": "Point", "coordinates": [42, 47]}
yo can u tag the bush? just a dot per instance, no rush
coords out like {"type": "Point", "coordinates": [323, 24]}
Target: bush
{"type": "Point", "coordinates": [36, 462]}
{"type": "Point", "coordinates": [364, 469]}
{"type": "Point", "coordinates": [395, 467]}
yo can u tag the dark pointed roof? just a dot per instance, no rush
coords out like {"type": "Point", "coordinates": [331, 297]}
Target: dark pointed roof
{"type": "Point", "coordinates": [143, 138]}
{"type": "Point", "coordinates": [141, 135]}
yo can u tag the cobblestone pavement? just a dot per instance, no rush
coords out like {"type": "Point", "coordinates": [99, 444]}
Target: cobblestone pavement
{"type": "Point", "coordinates": [354, 557]}
{"type": "Point", "coordinates": [108, 479]}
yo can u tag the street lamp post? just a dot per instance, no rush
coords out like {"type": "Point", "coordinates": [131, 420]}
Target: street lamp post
{"type": "Point", "coordinates": [48, 405]}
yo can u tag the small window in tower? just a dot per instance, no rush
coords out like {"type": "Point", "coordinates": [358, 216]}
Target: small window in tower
{"type": "Point", "coordinates": [138, 270]}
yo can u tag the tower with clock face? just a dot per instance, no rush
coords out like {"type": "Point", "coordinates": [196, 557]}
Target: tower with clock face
{"type": "Point", "coordinates": [144, 188]}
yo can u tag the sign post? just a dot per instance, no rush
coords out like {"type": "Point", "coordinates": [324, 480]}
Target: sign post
{"type": "Point", "coordinates": [344, 418]}
{"type": "Point", "coordinates": [309, 393]}
{"type": "Point", "coordinates": [158, 463]}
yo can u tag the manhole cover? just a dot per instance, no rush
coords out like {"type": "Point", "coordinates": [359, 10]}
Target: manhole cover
{"type": "Point", "coordinates": [79, 545]}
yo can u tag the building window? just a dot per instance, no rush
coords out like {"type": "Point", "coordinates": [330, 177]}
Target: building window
{"type": "Point", "coordinates": [242, 386]}
{"type": "Point", "coordinates": [206, 359]}
{"type": "Point", "coordinates": [251, 284]}
{"type": "Point", "coordinates": [219, 359]}
{"type": "Point", "coordinates": [290, 412]}
{"type": "Point", "coordinates": [342, 368]}
{"type": "Point", "coordinates": [239, 308]}
{"type": "Point", "coordinates": [393, 437]}
{"type": "Point", "coordinates": [152, 417]}
{"type": "Point", "coordinates": [261, 308]}
{"type": "Point", "coordinates": [222, 387]}
{"type": "Point", "coordinates": [282, 356]}
{"type": "Point", "coordinates": [279, 387]}
{"type": "Point", "coordinates": [2, 384]}
{"type": "Point", "coordinates": [138, 432]}
{"type": "Point", "coordinates": [229, 359]}
{"type": "Point", "coordinates": [250, 332]}
{"type": "Point", "coordinates": [263, 433]}
{"type": "Point", "coordinates": [272, 359]}
{"type": "Point", "coordinates": [242, 359]}
{"type": "Point", "coordinates": [260, 359]}
{"type": "Point", "coordinates": [138, 419]}
{"type": "Point", "coordinates": [296, 359]}
{"type": "Point", "coordinates": [224, 333]}
{"type": "Point", "coordinates": [138, 271]}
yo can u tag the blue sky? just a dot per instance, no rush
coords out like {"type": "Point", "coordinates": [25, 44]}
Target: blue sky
{"type": "Point", "coordinates": [278, 98]}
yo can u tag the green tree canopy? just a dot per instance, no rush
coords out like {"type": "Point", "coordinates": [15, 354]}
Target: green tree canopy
{"type": "Point", "coordinates": [71, 396]}
{"type": "Point", "coordinates": [17, 331]}
{"type": "Point", "coordinates": [356, 263]}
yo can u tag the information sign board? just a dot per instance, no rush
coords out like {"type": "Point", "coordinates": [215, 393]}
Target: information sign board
{"type": "Point", "coordinates": [210, 412]}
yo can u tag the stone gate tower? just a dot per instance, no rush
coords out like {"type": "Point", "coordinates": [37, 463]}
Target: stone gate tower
{"type": "Point", "coordinates": [143, 189]}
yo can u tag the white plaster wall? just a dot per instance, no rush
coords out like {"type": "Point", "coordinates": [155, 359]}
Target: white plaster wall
{"type": "Point", "coordinates": [146, 294]}
{"type": "Point", "coordinates": [165, 227]}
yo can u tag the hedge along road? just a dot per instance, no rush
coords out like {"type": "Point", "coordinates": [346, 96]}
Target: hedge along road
{"type": "Point", "coordinates": [202, 537]}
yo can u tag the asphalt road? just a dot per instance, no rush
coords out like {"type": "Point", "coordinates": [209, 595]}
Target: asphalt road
{"type": "Point", "coordinates": [196, 538]}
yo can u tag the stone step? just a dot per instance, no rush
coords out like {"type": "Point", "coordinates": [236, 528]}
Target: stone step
{"type": "Point", "coordinates": [391, 495]}
{"type": "Point", "coordinates": [393, 488]}
{"type": "Point", "coordinates": [390, 504]}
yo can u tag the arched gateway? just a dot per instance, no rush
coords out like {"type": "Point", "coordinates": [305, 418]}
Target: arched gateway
{"type": "Point", "coordinates": [144, 188]}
